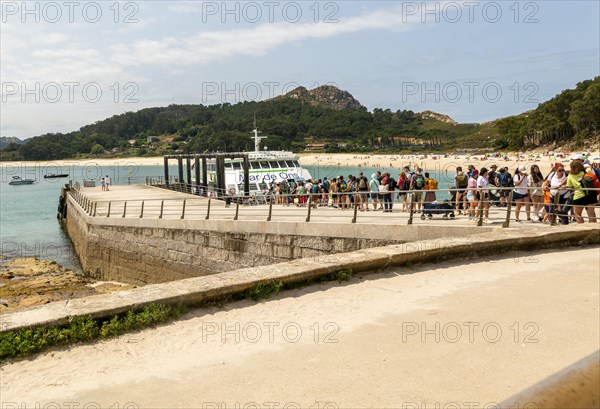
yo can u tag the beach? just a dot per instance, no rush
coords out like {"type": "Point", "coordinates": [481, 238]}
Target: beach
{"type": "Point", "coordinates": [387, 162]}
{"type": "Point", "coordinates": [495, 326]}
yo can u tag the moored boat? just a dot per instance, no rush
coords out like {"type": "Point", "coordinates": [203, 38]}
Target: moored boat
{"type": "Point", "coordinates": [54, 175]}
{"type": "Point", "coordinates": [16, 180]}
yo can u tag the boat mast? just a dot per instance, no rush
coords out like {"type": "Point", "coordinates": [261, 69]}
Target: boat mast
{"type": "Point", "coordinates": [257, 138]}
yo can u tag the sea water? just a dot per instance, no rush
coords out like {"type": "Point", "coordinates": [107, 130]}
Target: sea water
{"type": "Point", "coordinates": [28, 223]}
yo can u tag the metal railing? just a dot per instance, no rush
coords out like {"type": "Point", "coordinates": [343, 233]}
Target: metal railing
{"type": "Point", "coordinates": [274, 206]}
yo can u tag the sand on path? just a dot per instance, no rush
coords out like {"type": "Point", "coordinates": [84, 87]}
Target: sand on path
{"type": "Point", "coordinates": [470, 333]}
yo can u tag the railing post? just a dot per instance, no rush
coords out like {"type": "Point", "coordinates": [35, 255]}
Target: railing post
{"type": "Point", "coordinates": [270, 210]}
{"type": "Point", "coordinates": [95, 205]}
{"type": "Point", "coordinates": [208, 209]}
{"type": "Point", "coordinates": [183, 210]}
{"type": "Point", "coordinates": [411, 208]}
{"type": "Point", "coordinates": [355, 213]}
{"type": "Point", "coordinates": [162, 207]}
{"type": "Point", "coordinates": [124, 208]}
{"type": "Point", "coordinates": [508, 208]}
{"type": "Point", "coordinates": [555, 209]}
{"type": "Point", "coordinates": [237, 209]}
{"type": "Point", "coordinates": [108, 213]}
{"type": "Point", "coordinates": [309, 207]}
{"type": "Point", "coordinates": [142, 211]}
{"type": "Point", "coordinates": [480, 214]}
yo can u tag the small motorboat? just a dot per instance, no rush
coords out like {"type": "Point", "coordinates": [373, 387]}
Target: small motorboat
{"type": "Point", "coordinates": [16, 180]}
{"type": "Point", "coordinates": [54, 175]}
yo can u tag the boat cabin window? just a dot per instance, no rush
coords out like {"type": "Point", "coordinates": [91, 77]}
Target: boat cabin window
{"type": "Point", "coordinates": [237, 165]}
{"type": "Point", "coordinates": [296, 164]}
{"type": "Point", "coordinates": [228, 165]}
{"type": "Point", "coordinates": [290, 164]}
{"type": "Point", "coordinates": [265, 165]}
{"type": "Point", "coordinates": [281, 164]}
{"type": "Point", "coordinates": [254, 165]}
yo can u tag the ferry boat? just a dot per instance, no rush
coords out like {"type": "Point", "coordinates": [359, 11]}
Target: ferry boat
{"type": "Point", "coordinates": [55, 176]}
{"type": "Point", "coordinates": [266, 168]}
{"type": "Point", "coordinates": [16, 180]}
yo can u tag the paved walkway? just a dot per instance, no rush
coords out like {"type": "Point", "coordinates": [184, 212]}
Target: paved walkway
{"type": "Point", "coordinates": [455, 335]}
{"type": "Point", "coordinates": [196, 208]}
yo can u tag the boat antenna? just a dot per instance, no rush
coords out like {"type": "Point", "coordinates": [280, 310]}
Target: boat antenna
{"type": "Point", "coordinates": [257, 138]}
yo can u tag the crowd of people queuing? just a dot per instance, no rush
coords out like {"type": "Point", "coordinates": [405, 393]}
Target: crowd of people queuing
{"type": "Point", "coordinates": [474, 191]}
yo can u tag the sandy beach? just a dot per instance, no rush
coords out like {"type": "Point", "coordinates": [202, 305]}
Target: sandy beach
{"type": "Point", "coordinates": [427, 162]}
{"type": "Point", "coordinates": [360, 344]}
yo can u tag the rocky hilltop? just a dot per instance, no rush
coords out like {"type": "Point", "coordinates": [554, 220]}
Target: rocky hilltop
{"type": "Point", "coordinates": [437, 117]}
{"type": "Point", "coordinates": [326, 95]}
{"type": "Point", "coordinates": [7, 140]}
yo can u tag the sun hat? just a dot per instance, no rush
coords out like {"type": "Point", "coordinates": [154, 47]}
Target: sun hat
{"type": "Point", "coordinates": [522, 168]}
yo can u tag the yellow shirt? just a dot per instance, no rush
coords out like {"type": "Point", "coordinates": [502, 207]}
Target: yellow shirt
{"type": "Point", "coordinates": [573, 183]}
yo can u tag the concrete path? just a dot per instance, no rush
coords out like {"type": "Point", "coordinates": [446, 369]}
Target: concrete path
{"type": "Point", "coordinates": [465, 335]}
{"type": "Point", "coordinates": [196, 209]}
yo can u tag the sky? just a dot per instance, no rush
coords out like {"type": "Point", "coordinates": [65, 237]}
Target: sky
{"type": "Point", "coordinates": [66, 64]}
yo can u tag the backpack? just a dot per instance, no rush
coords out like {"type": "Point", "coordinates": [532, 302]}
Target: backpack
{"type": "Point", "coordinates": [343, 187]}
{"type": "Point", "coordinates": [362, 183]}
{"type": "Point", "coordinates": [392, 183]}
{"type": "Point", "coordinates": [314, 189]}
{"type": "Point", "coordinates": [462, 181]}
{"type": "Point", "coordinates": [433, 184]}
{"type": "Point", "coordinates": [503, 179]}
{"type": "Point", "coordinates": [419, 182]}
{"type": "Point", "coordinates": [588, 181]}
{"type": "Point", "coordinates": [406, 184]}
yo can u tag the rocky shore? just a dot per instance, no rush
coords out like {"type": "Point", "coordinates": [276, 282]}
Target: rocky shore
{"type": "Point", "coordinates": [25, 282]}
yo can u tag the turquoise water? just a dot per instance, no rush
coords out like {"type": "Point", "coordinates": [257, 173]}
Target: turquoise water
{"type": "Point", "coordinates": [28, 223]}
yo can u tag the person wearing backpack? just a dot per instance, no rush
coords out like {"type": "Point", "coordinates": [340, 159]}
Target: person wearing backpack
{"type": "Point", "coordinates": [393, 186]}
{"type": "Point", "coordinates": [418, 184]}
{"type": "Point", "coordinates": [403, 185]}
{"type": "Point", "coordinates": [342, 188]}
{"type": "Point", "coordinates": [579, 182]}
{"type": "Point", "coordinates": [374, 188]}
{"type": "Point", "coordinates": [363, 192]}
{"type": "Point", "coordinates": [556, 182]}
{"type": "Point", "coordinates": [461, 181]}
{"type": "Point", "coordinates": [504, 180]}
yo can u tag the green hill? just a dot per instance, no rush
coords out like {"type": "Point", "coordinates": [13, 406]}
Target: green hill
{"type": "Point", "coordinates": [324, 116]}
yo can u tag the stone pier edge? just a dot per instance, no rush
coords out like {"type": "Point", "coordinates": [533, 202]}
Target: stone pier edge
{"type": "Point", "coordinates": [194, 291]}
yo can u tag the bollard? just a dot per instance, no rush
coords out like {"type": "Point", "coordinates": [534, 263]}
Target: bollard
{"type": "Point", "coordinates": [142, 211]}
{"type": "Point", "coordinates": [208, 208]}
{"type": "Point", "coordinates": [270, 210]}
{"type": "Point", "coordinates": [555, 209]}
{"type": "Point", "coordinates": [508, 207]}
{"type": "Point", "coordinates": [108, 213]}
{"type": "Point", "coordinates": [124, 209]}
{"type": "Point", "coordinates": [183, 210]}
{"type": "Point", "coordinates": [309, 207]}
{"type": "Point", "coordinates": [355, 213]}
{"type": "Point", "coordinates": [162, 207]}
{"type": "Point", "coordinates": [411, 208]}
{"type": "Point", "coordinates": [237, 209]}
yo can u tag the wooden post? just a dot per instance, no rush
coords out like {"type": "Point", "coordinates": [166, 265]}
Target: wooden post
{"type": "Point", "coordinates": [95, 205]}
{"type": "Point", "coordinates": [108, 213]}
{"type": "Point", "coordinates": [208, 209]}
{"type": "Point", "coordinates": [142, 211]}
{"type": "Point", "coordinates": [162, 207]}
{"type": "Point", "coordinates": [183, 210]}
{"type": "Point", "coordinates": [480, 214]}
{"type": "Point", "coordinates": [555, 209]}
{"type": "Point", "coordinates": [508, 208]}
{"type": "Point", "coordinates": [166, 165]}
{"type": "Point", "coordinates": [355, 213]}
{"type": "Point", "coordinates": [179, 170]}
{"type": "Point", "coordinates": [246, 166]}
{"type": "Point", "coordinates": [204, 177]}
{"type": "Point", "coordinates": [237, 209]}
{"type": "Point", "coordinates": [188, 168]}
{"type": "Point", "coordinates": [309, 207]}
{"type": "Point", "coordinates": [124, 208]}
{"type": "Point", "coordinates": [270, 210]}
{"type": "Point", "coordinates": [411, 208]}
{"type": "Point", "coordinates": [197, 174]}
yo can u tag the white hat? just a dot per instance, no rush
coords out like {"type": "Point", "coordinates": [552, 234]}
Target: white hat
{"type": "Point", "coordinates": [522, 168]}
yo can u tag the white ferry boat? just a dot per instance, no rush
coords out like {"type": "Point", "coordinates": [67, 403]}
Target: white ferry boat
{"type": "Point", "coordinates": [266, 167]}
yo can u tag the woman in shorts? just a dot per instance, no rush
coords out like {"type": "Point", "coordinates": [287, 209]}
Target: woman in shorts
{"type": "Point", "coordinates": [521, 193]}
{"type": "Point", "coordinates": [536, 179]}
{"type": "Point", "coordinates": [581, 199]}
{"type": "Point", "coordinates": [472, 193]}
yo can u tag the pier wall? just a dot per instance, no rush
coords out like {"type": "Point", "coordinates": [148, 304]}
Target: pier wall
{"type": "Point", "coordinates": [146, 251]}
